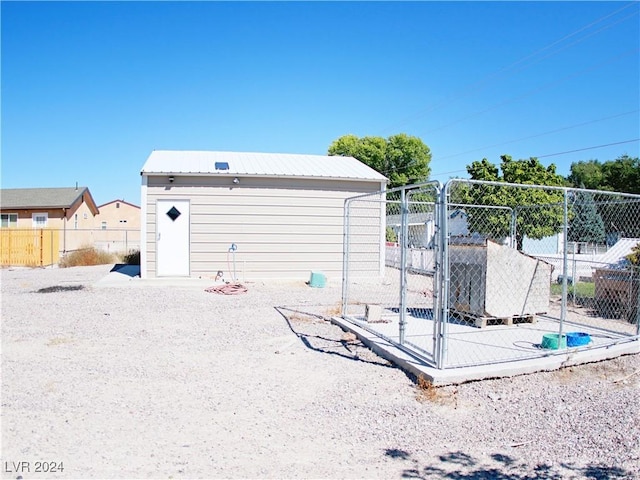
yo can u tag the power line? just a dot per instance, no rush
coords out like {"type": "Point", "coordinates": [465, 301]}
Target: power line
{"type": "Point", "coordinates": [561, 129]}
{"type": "Point", "coordinates": [553, 154]}
{"type": "Point", "coordinates": [536, 90]}
{"type": "Point", "coordinates": [481, 84]}
{"type": "Point", "coordinates": [588, 148]}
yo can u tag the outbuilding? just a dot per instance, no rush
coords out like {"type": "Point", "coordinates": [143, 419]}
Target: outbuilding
{"type": "Point", "coordinates": [251, 216]}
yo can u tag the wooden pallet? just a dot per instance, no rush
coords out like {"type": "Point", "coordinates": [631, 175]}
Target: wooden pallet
{"type": "Point", "coordinates": [484, 321]}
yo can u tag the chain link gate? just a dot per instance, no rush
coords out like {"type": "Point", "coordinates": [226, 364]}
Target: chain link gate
{"type": "Point", "coordinates": [475, 273]}
{"type": "Point", "coordinates": [390, 250]}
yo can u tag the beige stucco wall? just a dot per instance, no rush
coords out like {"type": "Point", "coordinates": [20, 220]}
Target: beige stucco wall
{"type": "Point", "coordinates": [283, 227]}
{"type": "Point", "coordinates": [119, 215]}
{"type": "Point", "coordinates": [122, 229]}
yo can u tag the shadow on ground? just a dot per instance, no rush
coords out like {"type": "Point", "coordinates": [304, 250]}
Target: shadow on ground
{"type": "Point", "coordinates": [462, 466]}
{"type": "Point", "coordinates": [345, 347]}
{"type": "Point", "coordinates": [128, 270]}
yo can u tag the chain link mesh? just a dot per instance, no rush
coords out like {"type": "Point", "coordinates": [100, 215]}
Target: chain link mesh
{"type": "Point", "coordinates": [485, 272]}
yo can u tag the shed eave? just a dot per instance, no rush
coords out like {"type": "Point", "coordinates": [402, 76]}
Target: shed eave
{"type": "Point", "coordinates": [260, 175]}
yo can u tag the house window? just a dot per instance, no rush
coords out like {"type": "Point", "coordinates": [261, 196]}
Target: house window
{"type": "Point", "coordinates": [75, 221]}
{"type": "Point", "coordinates": [117, 205]}
{"type": "Point", "coordinates": [104, 225]}
{"type": "Point", "coordinates": [85, 215]}
{"type": "Point", "coordinates": [39, 220]}
{"type": "Point", "coordinates": [123, 221]}
{"type": "Point", "coordinates": [9, 220]}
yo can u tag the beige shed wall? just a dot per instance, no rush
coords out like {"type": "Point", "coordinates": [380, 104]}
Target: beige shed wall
{"type": "Point", "coordinates": [283, 227]}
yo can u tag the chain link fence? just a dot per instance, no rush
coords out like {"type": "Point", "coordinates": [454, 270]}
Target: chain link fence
{"type": "Point", "coordinates": [474, 273]}
{"type": "Point", "coordinates": [399, 302]}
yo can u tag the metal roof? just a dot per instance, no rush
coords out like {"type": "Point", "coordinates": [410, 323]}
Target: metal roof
{"type": "Point", "coordinates": [258, 164]}
{"type": "Point", "coordinates": [29, 198]}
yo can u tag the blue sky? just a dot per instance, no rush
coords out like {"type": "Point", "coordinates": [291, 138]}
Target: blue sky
{"type": "Point", "coordinates": [89, 89]}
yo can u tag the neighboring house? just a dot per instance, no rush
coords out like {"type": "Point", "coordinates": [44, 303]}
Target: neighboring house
{"type": "Point", "coordinates": [119, 225]}
{"type": "Point", "coordinates": [253, 215]}
{"type": "Point", "coordinates": [422, 226]}
{"type": "Point", "coordinates": [583, 265]}
{"type": "Point", "coordinates": [547, 245]}
{"type": "Point", "coordinates": [64, 209]}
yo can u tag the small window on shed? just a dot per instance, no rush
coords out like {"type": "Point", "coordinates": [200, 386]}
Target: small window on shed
{"type": "Point", "coordinates": [222, 165]}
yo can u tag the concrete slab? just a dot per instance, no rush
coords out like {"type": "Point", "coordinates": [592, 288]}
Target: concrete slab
{"type": "Point", "coordinates": [544, 361]}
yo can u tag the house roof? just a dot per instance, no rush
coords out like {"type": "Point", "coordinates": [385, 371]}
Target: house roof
{"type": "Point", "coordinates": [258, 164]}
{"type": "Point", "coordinates": [33, 198]}
{"type": "Point", "coordinates": [120, 201]}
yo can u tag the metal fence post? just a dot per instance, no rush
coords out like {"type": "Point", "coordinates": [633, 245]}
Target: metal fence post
{"type": "Point", "coordinates": [404, 245]}
{"type": "Point", "coordinates": [565, 266]}
{"type": "Point", "coordinates": [442, 278]}
{"type": "Point", "coordinates": [438, 279]}
{"type": "Point", "coordinates": [513, 228]}
{"type": "Point", "coordinates": [636, 269]}
{"type": "Point", "coordinates": [345, 258]}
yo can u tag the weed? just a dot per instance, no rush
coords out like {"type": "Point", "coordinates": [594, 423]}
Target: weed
{"type": "Point", "coordinates": [132, 258]}
{"type": "Point", "coordinates": [426, 391]}
{"type": "Point", "coordinates": [300, 317]}
{"type": "Point", "coordinates": [85, 257]}
{"type": "Point", "coordinates": [334, 311]}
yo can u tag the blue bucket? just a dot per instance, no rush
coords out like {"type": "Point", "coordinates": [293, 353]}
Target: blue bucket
{"type": "Point", "coordinates": [578, 339]}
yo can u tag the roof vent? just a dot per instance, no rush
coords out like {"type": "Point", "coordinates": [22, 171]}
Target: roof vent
{"type": "Point", "coordinates": [222, 165]}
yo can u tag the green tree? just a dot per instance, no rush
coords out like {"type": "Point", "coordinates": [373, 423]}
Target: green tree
{"type": "Point", "coordinates": [589, 174]}
{"type": "Point", "coordinates": [402, 158]}
{"type": "Point", "coordinates": [539, 212]}
{"type": "Point", "coordinates": [586, 224]}
{"type": "Point", "coordinates": [622, 174]}
{"type": "Point", "coordinates": [619, 175]}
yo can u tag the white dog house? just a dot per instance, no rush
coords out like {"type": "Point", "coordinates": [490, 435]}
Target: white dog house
{"type": "Point", "coordinates": [251, 215]}
{"type": "Point", "coordinates": [492, 281]}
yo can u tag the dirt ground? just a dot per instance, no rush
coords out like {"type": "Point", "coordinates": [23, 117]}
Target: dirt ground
{"type": "Point", "coordinates": [167, 381]}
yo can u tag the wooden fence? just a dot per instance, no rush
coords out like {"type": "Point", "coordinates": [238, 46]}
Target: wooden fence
{"type": "Point", "coordinates": [29, 247]}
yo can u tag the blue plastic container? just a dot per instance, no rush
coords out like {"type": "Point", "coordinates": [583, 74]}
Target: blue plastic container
{"type": "Point", "coordinates": [550, 341]}
{"type": "Point", "coordinates": [578, 339]}
{"type": "Point", "coordinates": [317, 280]}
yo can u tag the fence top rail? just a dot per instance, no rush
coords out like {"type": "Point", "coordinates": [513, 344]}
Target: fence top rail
{"type": "Point", "coordinates": [466, 205]}
{"type": "Point", "coordinates": [453, 181]}
{"type": "Point", "coordinates": [434, 184]}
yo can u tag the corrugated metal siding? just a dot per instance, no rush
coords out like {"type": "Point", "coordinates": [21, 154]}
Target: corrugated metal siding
{"type": "Point", "coordinates": [284, 228]}
{"type": "Point", "coordinates": [258, 164]}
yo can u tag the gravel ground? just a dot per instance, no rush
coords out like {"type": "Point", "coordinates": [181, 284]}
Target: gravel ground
{"type": "Point", "coordinates": [174, 382]}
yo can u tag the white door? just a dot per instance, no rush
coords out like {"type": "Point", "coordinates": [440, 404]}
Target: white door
{"type": "Point", "coordinates": [172, 238]}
